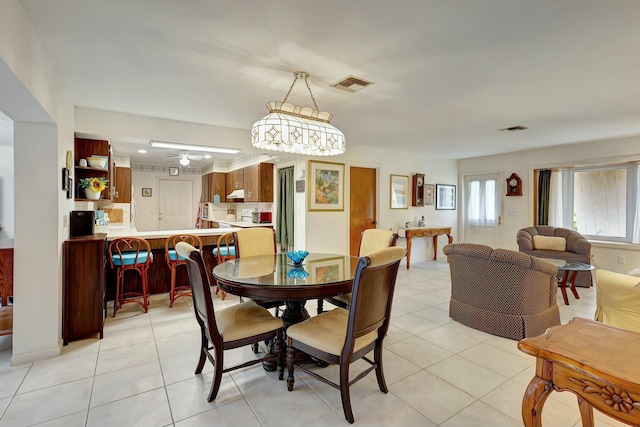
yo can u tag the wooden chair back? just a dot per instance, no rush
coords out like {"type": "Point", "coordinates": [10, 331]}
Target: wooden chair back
{"type": "Point", "coordinates": [131, 252]}
{"type": "Point", "coordinates": [173, 240]}
{"type": "Point", "coordinates": [225, 241]}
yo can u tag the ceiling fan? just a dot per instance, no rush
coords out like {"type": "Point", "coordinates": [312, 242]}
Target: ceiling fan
{"type": "Point", "coordinates": [185, 157]}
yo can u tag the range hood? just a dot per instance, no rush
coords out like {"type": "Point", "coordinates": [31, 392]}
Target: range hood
{"type": "Point", "coordinates": [236, 194]}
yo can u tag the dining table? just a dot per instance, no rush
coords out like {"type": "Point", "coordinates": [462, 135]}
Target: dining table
{"type": "Point", "coordinates": [275, 278]}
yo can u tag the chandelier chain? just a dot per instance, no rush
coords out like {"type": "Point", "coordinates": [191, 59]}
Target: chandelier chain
{"type": "Point", "coordinates": [296, 76]}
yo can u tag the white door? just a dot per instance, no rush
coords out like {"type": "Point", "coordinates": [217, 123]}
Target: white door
{"type": "Point", "coordinates": [483, 209]}
{"type": "Point", "coordinates": [175, 205]}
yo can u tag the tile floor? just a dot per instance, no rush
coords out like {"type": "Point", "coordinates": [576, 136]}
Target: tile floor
{"type": "Point", "coordinates": [439, 372]}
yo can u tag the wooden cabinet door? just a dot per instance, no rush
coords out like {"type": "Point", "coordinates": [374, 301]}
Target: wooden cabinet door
{"type": "Point", "coordinates": [251, 191]}
{"type": "Point", "coordinates": [265, 182]}
{"type": "Point", "coordinates": [123, 185]}
{"type": "Point", "coordinates": [237, 179]}
{"type": "Point", "coordinates": [205, 188]}
{"type": "Point", "coordinates": [217, 185]}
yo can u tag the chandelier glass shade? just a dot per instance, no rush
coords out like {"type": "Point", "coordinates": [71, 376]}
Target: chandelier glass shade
{"type": "Point", "coordinates": [295, 129]}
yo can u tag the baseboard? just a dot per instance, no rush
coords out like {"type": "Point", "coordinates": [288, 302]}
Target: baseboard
{"type": "Point", "coordinates": [23, 359]}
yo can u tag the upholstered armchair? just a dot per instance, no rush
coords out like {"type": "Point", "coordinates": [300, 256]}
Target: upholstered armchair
{"type": "Point", "coordinates": [544, 241]}
{"type": "Point", "coordinates": [502, 292]}
{"type": "Point", "coordinates": [618, 299]}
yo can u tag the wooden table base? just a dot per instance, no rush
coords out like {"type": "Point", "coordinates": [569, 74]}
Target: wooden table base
{"type": "Point", "coordinates": [410, 233]}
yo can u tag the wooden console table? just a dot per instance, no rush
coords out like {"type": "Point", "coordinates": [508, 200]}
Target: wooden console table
{"type": "Point", "coordinates": [597, 362]}
{"type": "Point", "coordinates": [410, 233]}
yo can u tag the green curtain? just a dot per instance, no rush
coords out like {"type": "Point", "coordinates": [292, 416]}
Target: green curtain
{"type": "Point", "coordinates": [285, 208]}
{"type": "Point", "coordinates": [544, 191]}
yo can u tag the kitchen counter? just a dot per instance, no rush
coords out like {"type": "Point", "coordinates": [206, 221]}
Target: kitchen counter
{"type": "Point", "coordinates": [245, 224]}
{"type": "Point", "coordinates": [130, 231]}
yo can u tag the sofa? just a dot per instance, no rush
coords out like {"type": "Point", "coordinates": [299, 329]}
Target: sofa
{"type": "Point", "coordinates": [501, 292]}
{"type": "Point", "coordinates": [544, 241]}
{"type": "Point", "coordinates": [618, 299]}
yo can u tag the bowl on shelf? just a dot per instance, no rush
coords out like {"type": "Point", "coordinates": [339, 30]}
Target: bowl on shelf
{"type": "Point", "coordinates": [297, 257]}
{"type": "Point", "coordinates": [97, 162]}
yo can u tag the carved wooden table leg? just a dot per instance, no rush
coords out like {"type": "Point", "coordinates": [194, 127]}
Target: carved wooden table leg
{"type": "Point", "coordinates": [435, 247]}
{"type": "Point", "coordinates": [586, 412]}
{"type": "Point", "coordinates": [536, 394]}
{"type": "Point", "coordinates": [408, 251]}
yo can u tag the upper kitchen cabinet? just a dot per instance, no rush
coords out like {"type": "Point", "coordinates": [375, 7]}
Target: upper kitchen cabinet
{"type": "Point", "coordinates": [217, 185]}
{"type": "Point", "coordinates": [258, 183]}
{"type": "Point", "coordinates": [84, 148]}
{"type": "Point", "coordinates": [123, 185]}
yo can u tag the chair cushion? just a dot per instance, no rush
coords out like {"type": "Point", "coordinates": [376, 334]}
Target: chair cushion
{"type": "Point", "coordinates": [550, 243]}
{"type": "Point", "coordinates": [225, 251]}
{"type": "Point", "coordinates": [245, 320]}
{"type": "Point", "coordinates": [129, 258]}
{"type": "Point", "coordinates": [327, 332]}
{"type": "Point", "coordinates": [345, 299]}
{"type": "Point", "coordinates": [173, 256]}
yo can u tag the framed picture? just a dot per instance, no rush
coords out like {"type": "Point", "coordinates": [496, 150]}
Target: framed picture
{"type": "Point", "coordinates": [65, 179]}
{"type": "Point", "coordinates": [326, 182]}
{"type": "Point", "coordinates": [326, 270]}
{"type": "Point", "coordinates": [398, 192]}
{"type": "Point", "coordinates": [146, 192]}
{"type": "Point", "coordinates": [445, 197]}
{"type": "Point", "coordinates": [429, 194]}
{"type": "Point", "coordinates": [69, 188]}
{"type": "Point", "coordinates": [174, 171]}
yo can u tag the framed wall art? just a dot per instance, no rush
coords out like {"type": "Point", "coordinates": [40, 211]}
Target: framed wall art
{"type": "Point", "coordinates": [445, 197]}
{"type": "Point", "coordinates": [146, 192]}
{"type": "Point", "coordinates": [399, 188]}
{"type": "Point", "coordinates": [326, 186]}
{"type": "Point", "coordinates": [429, 194]}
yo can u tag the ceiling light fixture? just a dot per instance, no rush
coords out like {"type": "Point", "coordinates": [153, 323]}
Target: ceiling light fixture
{"type": "Point", "coordinates": [162, 144]}
{"type": "Point", "coordinates": [184, 161]}
{"type": "Point", "coordinates": [295, 129]}
{"type": "Point", "coordinates": [142, 151]}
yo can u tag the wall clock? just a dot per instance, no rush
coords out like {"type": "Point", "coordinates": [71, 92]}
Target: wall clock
{"type": "Point", "coordinates": [417, 193]}
{"type": "Point", "coordinates": [514, 185]}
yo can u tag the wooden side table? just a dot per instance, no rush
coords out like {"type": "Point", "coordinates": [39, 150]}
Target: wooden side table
{"type": "Point", "coordinates": [426, 232]}
{"type": "Point", "coordinates": [597, 362]}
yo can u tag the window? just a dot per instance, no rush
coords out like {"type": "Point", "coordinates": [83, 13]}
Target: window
{"type": "Point", "coordinates": [482, 205]}
{"type": "Point", "coordinates": [601, 203]}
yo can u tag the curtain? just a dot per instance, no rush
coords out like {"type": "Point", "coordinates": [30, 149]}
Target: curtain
{"type": "Point", "coordinates": [544, 186]}
{"type": "Point", "coordinates": [285, 208]}
{"type": "Point", "coordinates": [555, 200]}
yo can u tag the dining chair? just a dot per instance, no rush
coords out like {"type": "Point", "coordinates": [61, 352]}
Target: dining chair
{"type": "Point", "coordinates": [130, 254]}
{"type": "Point", "coordinates": [371, 240]}
{"type": "Point", "coordinates": [257, 241]}
{"type": "Point", "coordinates": [224, 251]}
{"type": "Point", "coordinates": [343, 336]}
{"type": "Point", "coordinates": [173, 261]}
{"type": "Point", "coordinates": [236, 326]}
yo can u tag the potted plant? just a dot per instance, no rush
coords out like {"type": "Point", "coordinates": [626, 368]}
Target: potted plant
{"type": "Point", "coordinates": [93, 187]}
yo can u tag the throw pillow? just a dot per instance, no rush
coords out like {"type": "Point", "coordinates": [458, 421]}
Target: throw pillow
{"type": "Point", "coordinates": [550, 243]}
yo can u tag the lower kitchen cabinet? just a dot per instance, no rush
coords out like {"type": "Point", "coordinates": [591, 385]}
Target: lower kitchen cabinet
{"type": "Point", "coordinates": [83, 304]}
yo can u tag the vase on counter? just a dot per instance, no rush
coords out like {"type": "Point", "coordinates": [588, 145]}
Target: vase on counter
{"type": "Point", "coordinates": [92, 195]}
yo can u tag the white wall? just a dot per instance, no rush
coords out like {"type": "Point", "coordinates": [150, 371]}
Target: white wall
{"type": "Point", "coordinates": [43, 118]}
{"type": "Point", "coordinates": [524, 163]}
{"type": "Point", "coordinates": [6, 192]}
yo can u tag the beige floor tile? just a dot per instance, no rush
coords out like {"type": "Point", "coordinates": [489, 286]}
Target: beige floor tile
{"type": "Point", "coordinates": [477, 414]}
{"type": "Point", "coordinates": [413, 324]}
{"type": "Point", "coordinates": [59, 372]}
{"type": "Point", "coordinates": [125, 357]}
{"type": "Point", "coordinates": [379, 409]}
{"type": "Point", "coordinates": [467, 375]}
{"type": "Point", "coordinates": [146, 409]}
{"type": "Point", "coordinates": [125, 383]}
{"type": "Point", "coordinates": [79, 419]}
{"type": "Point", "coordinates": [10, 381]}
{"type": "Point", "coordinates": [233, 414]}
{"type": "Point", "coordinates": [498, 360]}
{"type": "Point", "coordinates": [189, 398]}
{"type": "Point", "coordinates": [420, 352]}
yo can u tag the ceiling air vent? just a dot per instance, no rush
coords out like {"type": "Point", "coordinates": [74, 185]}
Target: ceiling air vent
{"type": "Point", "coordinates": [514, 129]}
{"type": "Point", "coordinates": [352, 84]}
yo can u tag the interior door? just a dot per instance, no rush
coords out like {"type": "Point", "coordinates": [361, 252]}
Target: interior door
{"type": "Point", "coordinates": [362, 204]}
{"type": "Point", "coordinates": [175, 205]}
{"type": "Point", "coordinates": [483, 209]}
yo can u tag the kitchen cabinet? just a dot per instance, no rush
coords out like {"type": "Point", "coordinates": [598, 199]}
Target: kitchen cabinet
{"type": "Point", "coordinates": [258, 183]}
{"type": "Point", "coordinates": [205, 188]}
{"type": "Point", "coordinates": [123, 185]}
{"type": "Point", "coordinates": [84, 148]}
{"type": "Point", "coordinates": [217, 185]}
{"type": "Point", "coordinates": [83, 304]}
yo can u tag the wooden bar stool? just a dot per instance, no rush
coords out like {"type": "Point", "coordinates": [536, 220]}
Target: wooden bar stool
{"type": "Point", "coordinates": [130, 254]}
{"type": "Point", "coordinates": [224, 251]}
{"type": "Point", "coordinates": [174, 260]}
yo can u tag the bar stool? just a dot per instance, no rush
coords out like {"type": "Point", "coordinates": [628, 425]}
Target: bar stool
{"type": "Point", "coordinates": [174, 260]}
{"type": "Point", "coordinates": [130, 254]}
{"type": "Point", "coordinates": [224, 251]}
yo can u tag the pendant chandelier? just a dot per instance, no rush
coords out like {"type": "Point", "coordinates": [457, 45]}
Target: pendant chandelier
{"type": "Point", "coordinates": [295, 129]}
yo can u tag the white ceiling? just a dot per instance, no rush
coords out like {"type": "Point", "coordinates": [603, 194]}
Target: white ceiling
{"type": "Point", "coordinates": [448, 73]}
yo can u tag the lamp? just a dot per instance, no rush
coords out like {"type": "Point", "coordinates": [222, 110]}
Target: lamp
{"type": "Point", "coordinates": [295, 129]}
{"type": "Point", "coordinates": [184, 161]}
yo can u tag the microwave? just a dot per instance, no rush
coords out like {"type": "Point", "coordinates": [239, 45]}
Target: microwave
{"type": "Point", "coordinates": [207, 211]}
